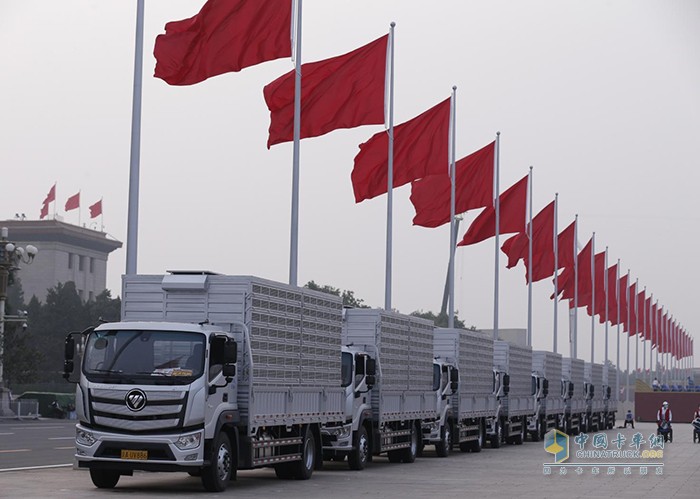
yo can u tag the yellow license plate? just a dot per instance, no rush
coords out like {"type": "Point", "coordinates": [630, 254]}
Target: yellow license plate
{"type": "Point", "coordinates": [134, 454]}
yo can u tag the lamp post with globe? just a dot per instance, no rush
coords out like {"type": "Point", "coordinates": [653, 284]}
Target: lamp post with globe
{"type": "Point", "coordinates": [11, 256]}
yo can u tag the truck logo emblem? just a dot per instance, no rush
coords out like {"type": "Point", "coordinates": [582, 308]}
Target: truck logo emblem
{"type": "Point", "coordinates": [135, 400]}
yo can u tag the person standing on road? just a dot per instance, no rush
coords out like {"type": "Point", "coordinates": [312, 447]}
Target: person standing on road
{"type": "Point", "coordinates": [664, 414]}
{"type": "Point", "coordinates": [629, 418]}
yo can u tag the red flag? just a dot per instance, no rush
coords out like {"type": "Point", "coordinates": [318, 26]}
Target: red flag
{"type": "Point", "coordinates": [542, 246]}
{"type": "Point", "coordinates": [567, 282]}
{"type": "Point", "coordinates": [340, 92]}
{"type": "Point", "coordinates": [653, 316]}
{"type": "Point", "coordinates": [420, 149]}
{"type": "Point", "coordinates": [44, 211]}
{"type": "Point", "coordinates": [600, 297]}
{"type": "Point", "coordinates": [473, 189]}
{"type": "Point", "coordinates": [96, 209]}
{"type": "Point", "coordinates": [647, 326]}
{"type": "Point", "coordinates": [51, 196]}
{"type": "Point", "coordinates": [73, 202]}
{"type": "Point", "coordinates": [630, 327]}
{"type": "Point", "coordinates": [612, 295]}
{"type": "Point", "coordinates": [565, 246]}
{"type": "Point", "coordinates": [512, 215]}
{"type": "Point", "coordinates": [640, 313]}
{"type": "Point", "coordinates": [225, 36]}
{"type": "Point", "coordinates": [624, 281]}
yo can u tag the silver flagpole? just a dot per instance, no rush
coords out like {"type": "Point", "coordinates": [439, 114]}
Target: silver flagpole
{"type": "Point", "coordinates": [294, 239]}
{"type": "Point", "coordinates": [636, 331]}
{"type": "Point", "coordinates": [453, 227]}
{"type": "Point", "coordinates": [593, 299]}
{"type": "Point", "coordinates": [644, 343]}
{"type": "Point", "coordinates": [627, 384]}
{"type": "Point", "coordinates": [617, 298]}
{"type": "Point", "coordinates": [607, 306]}
{"type": "Point", "coordinates": [496, 188]}
{"type": "Point", "coordinates": [575, 356]}
{"type": "Point", "coordinates": [555, 235]}
{"type": "Point", "coordinates": [390, 175]}
{"type": "Point", "coordinates": [134, 162]}
{"type": "Point", "coordinates": [529, 262]}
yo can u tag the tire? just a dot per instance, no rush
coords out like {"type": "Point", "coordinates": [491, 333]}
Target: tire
{"type": "Point", "coordinates": [496, 439]}
{"type": "Point", "coordinates": [358, 457]}
{"type": "Point", "coordinates": [216, 476]}
{"type": "Point", "coordinates": [535, 435]}
{"type": "Point", "coordinates": [104, 479]}
{"type": "Point", "coordinates": [409, 454]}
{"type": "Point", "coordinates": [520, 438]}
{"type": "Point", "coordinates": [394, 456]}
{"type": "Point", "coordinates": [304, 468]}
{"type": "Point", "coordinates": [478, 444]}
{"type": "Point", "coordinates": [444, 446]}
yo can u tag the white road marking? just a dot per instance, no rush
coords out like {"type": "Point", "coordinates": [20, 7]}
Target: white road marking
{"type": "Point", "coordinates": [14, 450]}
{"type": "Point", "coordinates": [6, 433]}
{"type": "Point", "coordinates": [36, 467]}
{"type": "Point", "coordinates": [64, 448]}
{"type": "Point", "coordinates": [61, 438]}
{"type": "Point", "coordinates": [31, 427]}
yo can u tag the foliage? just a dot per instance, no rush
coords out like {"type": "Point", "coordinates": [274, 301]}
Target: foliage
{"type": "Point", "coordinates": [36, 355]}
{"type": "Point", "coordinates": [349, 299]}
{"type": "Point", "coordinates": [440, 319]}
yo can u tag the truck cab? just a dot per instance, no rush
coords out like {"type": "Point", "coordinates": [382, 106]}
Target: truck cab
{"type": "Point", "coordinates": [153, 397]}
{"type": "Point", "coordinates": [440, 431]}
{"type": "Point", "coordinates": [353, 436]}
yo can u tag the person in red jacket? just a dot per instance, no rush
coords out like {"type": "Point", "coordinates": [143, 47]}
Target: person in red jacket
{"type": "Point", "coordinates": [664, 415]}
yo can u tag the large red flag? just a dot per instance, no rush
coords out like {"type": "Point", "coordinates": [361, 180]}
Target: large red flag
{"type": "Point", "coordinates": [96, 209]}
{"type": "Point", "coordinates": [420, 149]}
{"type": "Point", "coordinates": [624, 281]}
{"type": "Point", "coordinates": [612, 295]}
{"type": "Point", "coordinates": [600, 297]}
{"type": "Point", "coordinates": [567, 281]}
{"type": "Point", "coordinates": [51, 196]}
{"type": "Point", "coordinates": [641, 298]}
{"type": "Point", "coordinates": [653, 316]}
{"type": "Point", "coordinates": [542, 246]}
{"type": "Point", "coordinates": [73, 202]}
{"type": "Point", "coordinates": [340, 92]}
{"type": "Point", "coordinates": [473, 189]}
{"type": "Point", "coordinates": [647, 324]}
{"type": "Point", "coordinates": [630, 327]}
{"type": "Point", "coordinates": [225, 36]}
{"type": "Point", "coordinates": [44, 211]}
{"type": "Point", "coordinates": [512, 206]}
{"type": "Point", "coordinates": [565, 246]}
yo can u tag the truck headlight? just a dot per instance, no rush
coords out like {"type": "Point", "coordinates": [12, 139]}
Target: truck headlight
{"type": "Point", "coordinates": [186, 442]}
{"type": "Point", "coordinates": [340, 431]}
{"type": "Point", "coordinates": [84, 437]}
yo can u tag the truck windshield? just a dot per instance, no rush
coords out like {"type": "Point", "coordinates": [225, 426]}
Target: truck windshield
{"type": "Point", "coordinates": [346, 369]}
{"type": "Point", "coordinates": [162, 357]}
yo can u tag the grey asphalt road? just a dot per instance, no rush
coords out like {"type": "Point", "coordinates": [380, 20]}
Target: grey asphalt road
{"type": "Point", "coordinates": [30, 443]}
{"type": "Point", "coordinates": [511, 471]}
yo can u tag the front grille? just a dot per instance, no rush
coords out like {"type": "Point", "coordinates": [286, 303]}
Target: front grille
{"type": "Point", "coordinates": [164, 410]}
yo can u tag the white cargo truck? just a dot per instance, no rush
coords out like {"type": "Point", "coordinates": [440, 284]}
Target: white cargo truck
{"type": "Point", "coordinates": [549, 405]}
{"type": "Point", "coordinates": [595, 396]}
{"type": "Point", "coordinates": [573, 391]}
{"type": "Point", "coordinates": [463, 380]}
{"type": "Point", "coordinates": [512, 375]}
{"type": "Point", "coordinates": [207, 374]}
{"type": "Point", "coordinates": [387, 377]}
{"type": "Point", "coordinates": [610, 395]}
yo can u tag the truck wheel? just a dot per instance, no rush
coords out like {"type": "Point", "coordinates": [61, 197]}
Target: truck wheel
{"type": "Point", "coordinates": [535, 435]}
{"type": "Point", "coordinates": [409, 454]}
{"type": "Point", "coordinates": [357, 459]}
{"type": "Point", "coordinates": [498, 435]}
{"type": "Point", "coordinates": [303, 469]}
{"type": "Point", "coordinates": [476, 445]}
{"type": "Point", "coordinates": [519, 439]}
{"type": "Point", "coordinates": [104, 479]}
{"type": "Point", "coordinates": [444, 446]}
{"type": "Point", "coordinates": [216, 476]}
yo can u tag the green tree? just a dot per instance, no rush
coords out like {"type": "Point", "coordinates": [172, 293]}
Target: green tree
{"type": "Point", "coordinates": [349, 299]}
{"type": "Point", "coordinates": [440, 319]}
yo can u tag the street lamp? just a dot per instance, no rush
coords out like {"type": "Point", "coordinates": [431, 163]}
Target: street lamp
{"type": "Point", "coordinates": [11, 256]}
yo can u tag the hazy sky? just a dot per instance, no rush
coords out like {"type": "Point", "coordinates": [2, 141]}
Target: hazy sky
{"type": "Point", "coordinates": [601, 97]}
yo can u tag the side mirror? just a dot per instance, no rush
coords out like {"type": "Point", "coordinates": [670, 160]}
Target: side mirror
{"type": "Point", "coordinates": [371, 366]}
{"type": "Point", "coordinates": [591, 390]}
{"type": "Point", "coordinates": [229, 370]}
{"type": "Point", "coordinates": [230, 352]}
{"type": "Point", "coordinates": [454, 376]}
{"type": "Point", "coordinates": [69, 348]}
{"type": "Point", "coordinates": [571, 390]}
{"type": "Point", "coordinates": [68, 367]}
{"type": "Point", "coordinates": [371, 380]}
{"type": "Point", "coordinates": [506, 384]}
{"type": "Point", "coordinates": [454, 386]}
{"type": "Point", "coordinates": [608, 392]}
{"type": "Point", "coordinates": [545, 387]}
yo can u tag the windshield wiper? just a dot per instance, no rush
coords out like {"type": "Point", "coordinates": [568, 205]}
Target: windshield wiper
{"type": "Point", "coordinates": [107, 371]}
